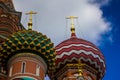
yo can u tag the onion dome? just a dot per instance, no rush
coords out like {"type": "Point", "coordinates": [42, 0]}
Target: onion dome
{"type": "Point", "coordinates": [28, 41]}
{"type": "Point", "coordinates": [74, 49]}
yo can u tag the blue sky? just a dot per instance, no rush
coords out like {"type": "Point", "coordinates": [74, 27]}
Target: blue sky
{"type": "Point", "coordinates": [98, 22]}
{"type": "Point", "coordinates": [112, 50]}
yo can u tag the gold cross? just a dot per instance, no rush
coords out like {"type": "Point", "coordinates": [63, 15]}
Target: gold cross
{"type": "Point", "coordinates": [30, 19]}
{"type": "Point", "coordinates": [79, 68]}
{"type": "Point", "coordinates": [72, 22]}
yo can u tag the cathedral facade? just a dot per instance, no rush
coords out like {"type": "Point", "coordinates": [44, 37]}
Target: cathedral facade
{"type": "Point", "coordinates": [30, 55]}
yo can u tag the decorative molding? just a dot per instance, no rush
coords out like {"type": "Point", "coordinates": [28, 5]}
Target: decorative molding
{"type": "Point", "coordinates": [3, 75]}
{"type": "Point", "coordinates": [84, 59]}
{"type": "Point", "coordinates": [79, 52]}
{"type": "Point", "coordinates": [74, 67]}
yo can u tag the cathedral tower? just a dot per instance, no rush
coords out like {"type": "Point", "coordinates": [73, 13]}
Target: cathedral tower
{"type": "Point", "coordinates": [9, 19]}
{"type": "Point", "coordinates": [27, 55]}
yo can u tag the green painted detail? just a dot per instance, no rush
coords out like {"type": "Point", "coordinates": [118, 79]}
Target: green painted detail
{"type": "Point", "coordinates": [27, 78]}
{"type": "Point", "coordinates": [30, 41]}
{"type": "Point", "coordinates": [24, 78]}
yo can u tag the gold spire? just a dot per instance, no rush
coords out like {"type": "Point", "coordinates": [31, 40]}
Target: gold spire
{"type": "Point", "coordinates": [72, 23]}
{"type": "Point", "coordinates": [30, 19]}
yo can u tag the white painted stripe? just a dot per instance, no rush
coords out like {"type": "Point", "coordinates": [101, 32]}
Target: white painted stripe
{"type": "Point", "coordinates": [82, 58]}
{"type": "Point", "coordinates": [77, 45]}
{"type": "Point", "coordinates": [79, 52]}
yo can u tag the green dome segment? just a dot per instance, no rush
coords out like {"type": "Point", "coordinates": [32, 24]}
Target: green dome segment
{"type": "Point", "coordinates": [28, 41]}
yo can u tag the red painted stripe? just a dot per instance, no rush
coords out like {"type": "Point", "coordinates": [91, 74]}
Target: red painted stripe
{"type": "Point", "coordinates": [75, 41]}
{"type": "Point", "coordinates": [78, 56]}
{"type": "Point", "coordinates": [77, 48]}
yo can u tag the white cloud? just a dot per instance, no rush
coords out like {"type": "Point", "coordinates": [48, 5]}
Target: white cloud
{"type": "Point", "coordinates": [50, 19]}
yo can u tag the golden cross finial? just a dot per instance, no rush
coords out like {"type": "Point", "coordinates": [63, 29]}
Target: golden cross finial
{"type": "Point", "coordinates": [72, 22]}
{"type": "Point", "coordinates": [30, 19]}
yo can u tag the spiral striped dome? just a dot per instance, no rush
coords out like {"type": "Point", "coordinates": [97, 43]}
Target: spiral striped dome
{"type": "Point", "coordinates": [73, 49]}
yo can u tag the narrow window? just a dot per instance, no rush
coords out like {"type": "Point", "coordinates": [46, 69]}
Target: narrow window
{"type": "Point", "coordinates": [37, 70]}
{"type": "Point", "coordinates": [23, 67]}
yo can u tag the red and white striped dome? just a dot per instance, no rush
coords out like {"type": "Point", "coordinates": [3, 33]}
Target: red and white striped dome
{"type": "Point", "coordinates": [73, 49]}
